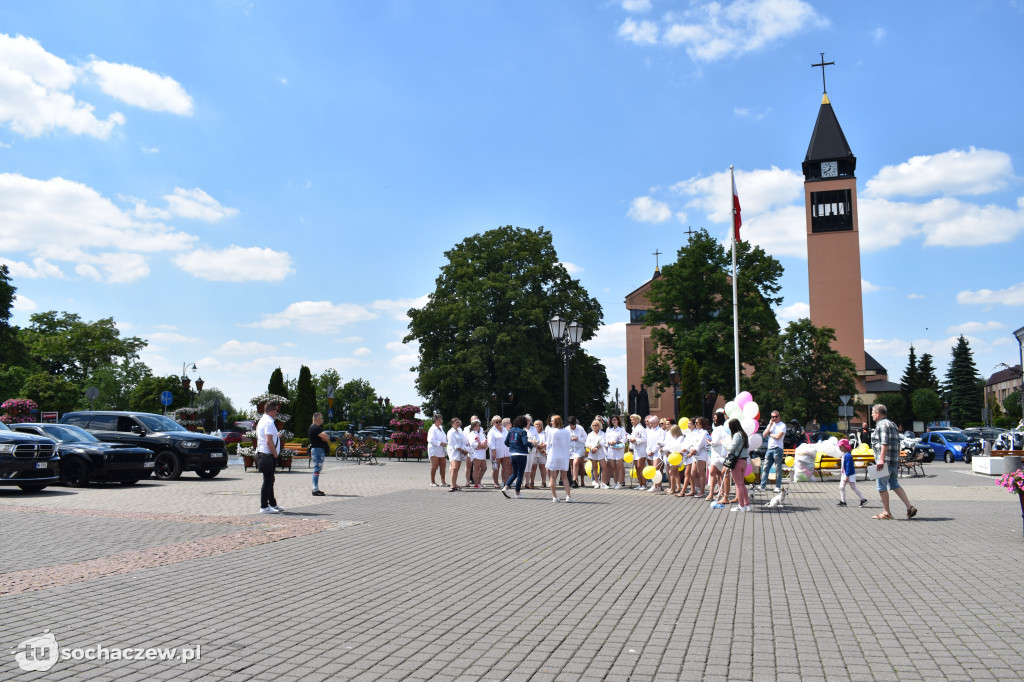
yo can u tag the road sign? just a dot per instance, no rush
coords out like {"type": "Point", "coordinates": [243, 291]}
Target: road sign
{"type": "Point", "coordinates": [92, 393]}
{"type": "Point", "coordinates": [166, 398]}
{"type": "Point", "coordinates": [846, 411]}
{"type": "Point", "coordinates": [224, 415]}
{"type": "Point", "coordinates": [330, 413]}
{"type": "Point", "coordinates": [330, 392]}
{"type": "Point", "coordinates": [845, 398]}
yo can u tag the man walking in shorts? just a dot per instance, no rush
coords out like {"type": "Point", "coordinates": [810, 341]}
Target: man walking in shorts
{"type": "Point", "coordinates": [885, 440]}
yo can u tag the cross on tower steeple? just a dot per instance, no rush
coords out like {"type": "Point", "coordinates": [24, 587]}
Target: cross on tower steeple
{"type": "Point", "coordinates": [823, 64]}
{"type": "Point", "coordinates": [656, 254]}
{"type": "Point", "coordinates": [690, 232]}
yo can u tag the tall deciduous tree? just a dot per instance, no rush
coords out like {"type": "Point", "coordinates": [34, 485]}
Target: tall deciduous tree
{"type": "Point", "coordinates": [964, 385]}
{"type": "Point", "coordinates": [115, 383]}
{"type": "Point", "coordinates": [12, 350]}
{"type": "Point", "coordinates": [63, 344]}
{"type": "Point", "coordinates": [804, 376]}
{"type": "Point", "coordinates": [322, 382]}
{"type": "Point", "coordinates": [484, 328]}
{"type": "Point", "coordinates": [53, 392]}
{"type": "Point", "coordinates": [690, 393]}
{"type": "Point", "coordinates": [146, 394]}
{"type": "Point", "coordinates": [692, 311]}
{"type": "Point", "coordinates": [304, 404]}
{"type": "Point", "coordinates": [927, 405]}
{"type": "Point", "coordinates": [356, 401]}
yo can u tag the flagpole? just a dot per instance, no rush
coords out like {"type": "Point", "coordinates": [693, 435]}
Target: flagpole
{"type": "Point", "coordinates": [735, 299]}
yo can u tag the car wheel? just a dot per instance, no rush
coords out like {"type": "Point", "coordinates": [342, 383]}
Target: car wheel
{"type": "Point", "coordinates": [207, 473]}
{"type": "Point", "coordinates": [74, 473]}
{"type": "Point", "coordinates": [168, 466]}
{"type": "Point", "coordinates": [132, 482]}
{"type": "Point", "coordinates": [31, 488]}
{"type": "Point", "coordinates": [949, 457]}
{"type": "Point", "coordinates": [968, 456]}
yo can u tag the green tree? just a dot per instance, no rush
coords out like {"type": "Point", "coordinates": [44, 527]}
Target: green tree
{"type": "Point", "coordinates": [927, 405]}
{"type": "Point", "coordinates": [1011, 404]}
{"type": "Point", "coordinates": [115, 383]}
{"type": "Point", "coordinates": [145, 397]}
{"type": "Point", "coordinates": [209, 403]}
{"type": "Point", "coordinates": [804, 376]}
{"type": "Point", "coordinates": [895, 406]}
{"type": "Point", "coordinates": [12, 350]}
{"type": "Point", "coordinates": [964, 385]}
{"type": "Point", "coordinates": [276, 384]}
{"type": "Point", "coordinates": [356, 401]}
{"type": "Point", "coordinates": [53, 392]}
{"type": "Point", "coordinates": [62, 344]}
{"type": "Point", "coordinates": [12, 379]}
{"type": "Point", "coordinates": [690, 394]}
{"type": "Point", "coordinates": [322, 382]}
{"type": "Point", "coordinates": [692, 312]}
{"type": "Point", "coordinates": [304, 404]}
{"type": "Point", "coordinates": [910, 382]}
{"type": "Point", "coordinates": [484, 328]}
{"type": "Point", "coordinates": [926, 374]}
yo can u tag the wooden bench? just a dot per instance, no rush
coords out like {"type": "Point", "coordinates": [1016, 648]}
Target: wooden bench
{"type": "Point", "coordinates": [862, 462]}
{"type": "Point", "coordinates": [824, 463]}
{"type": "Point", "coordinates": [297, 452]}
{"type": "Point", "coordinates": [910, 462]}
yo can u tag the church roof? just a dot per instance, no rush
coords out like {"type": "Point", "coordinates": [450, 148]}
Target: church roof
{"type": "Point", "coordinates": [873, 365]}
{"type": "Point", "coordinates": [827, 140]}
{"type": "Point", "coordinates": [882, 386]}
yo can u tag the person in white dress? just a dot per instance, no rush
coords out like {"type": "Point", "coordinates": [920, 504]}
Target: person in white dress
{"type": "Point", "coordinates": [478, 453]}
{"type": "Point", "coordinates": [675, 442]}
{"type": "Point", "coordinates": [539, 455]}
{"type": "Point", "coordinates": [469, 463]}
{"type": "Point", "coordinates": [577, 451]}
{"type": "Point", "coordinates": [699, 440]}
{"type": "Point", "coordinates": [557, 446]}
{"type": "Point", "coordinates": [458, 449]}
{"type": "Point", "coordinates": [615, 438]}
{"type": "Point", "coordinates": [596, 451]}
{"type": "Point", "coordinates": [721, 439]}
{"type": "Point", "coordinates": [655, 439]}
{"type": "Point", "coordinates": [437, 445]}
{"type": "Point", "coordinates": [638, 445]}
{"type": "Point", "coordinates": [496, 444]}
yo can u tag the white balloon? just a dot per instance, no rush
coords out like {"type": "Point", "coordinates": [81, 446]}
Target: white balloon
{"type": "Point", "coordinates": [749, 426]}
{"type": "Point", "coordinates": [755, 441]}
{"type": "Point", "coordinates": [751, 410]}
{"type": "Point", "coordinates": [732, 410]}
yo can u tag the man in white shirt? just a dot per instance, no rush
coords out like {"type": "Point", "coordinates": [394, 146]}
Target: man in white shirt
{"type": "Point", "coordinates": [775, 432]}
{"type": "Point", "coordinates": [268, 444]}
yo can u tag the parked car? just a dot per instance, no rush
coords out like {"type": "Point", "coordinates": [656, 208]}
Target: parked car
{"type": "Point", "coordinates": [83, 458]}
{"type": "Point", "coordinates": [984, 432]}
{"type": "Point", "coordinates": [27, 461]}
{"type": "Point", "coordinates": [177, 449]}
{"type": "Point", "coordinates": [945, 445]}
{"type": "Point", "coordinates": [231, 437]}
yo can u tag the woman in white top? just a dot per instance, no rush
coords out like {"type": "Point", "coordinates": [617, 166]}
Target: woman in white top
{"type": "Point", "coordinates": [675, 442]}
{"type": "Point", "coordinates": [699, 450]}
{"type": "Point", "coordinates": [577, 450]}
{"type": "Point", "coordinates": [539, 455]}
{"type": "Point", "coordinates": [496, 442]}
{"type": "Point", "coordinates": [721, 439]}
{"type": "Point", "coordinates": [638, 444]}
{"type": "Point", "coordinates": [615, 438]}
{"type": "Point", "coordinates": [596, 451]}
{"type": "Point", "coordinates": [436, 445]}
{"type": "Point", "coordinates": [478, 449]}
{"type": "Point", "coordinates": [458, 448]}
{"type": "Point", "coordinates": [557, 446]}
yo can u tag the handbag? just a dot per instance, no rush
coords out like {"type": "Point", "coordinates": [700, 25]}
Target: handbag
{"type": "Point", "coordinates": [730, 460]}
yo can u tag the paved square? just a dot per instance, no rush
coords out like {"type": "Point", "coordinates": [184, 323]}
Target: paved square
{"type": "Point", "coordinates": [388, 578]}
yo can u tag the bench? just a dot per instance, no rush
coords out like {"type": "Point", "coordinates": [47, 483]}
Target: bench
{"type": "Point", "coordinates": [824, 463]}
{"type": "Point", "coordinates": [910, 462]}
{"type": "Point", "coordinates": [862, 462]}
{"type": "Point", "coordinates": [297, 452]}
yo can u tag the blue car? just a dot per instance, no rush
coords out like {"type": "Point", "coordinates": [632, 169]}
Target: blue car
{"type": "Point", "coordinates": [945, 445]}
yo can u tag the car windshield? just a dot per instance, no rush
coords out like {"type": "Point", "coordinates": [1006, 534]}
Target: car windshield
{"type": "Point", "coordinates": [156, 422]}
{"type": "Point", "coordinates": [62, 433]}
{"type": "Point", "coordinates": [953, 437]}
{"type": "Point", "coordinates": [3, 427]}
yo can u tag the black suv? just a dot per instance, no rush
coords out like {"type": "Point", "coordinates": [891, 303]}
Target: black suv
{"type": "Point", "coordinates": [83, 458]}
{"type": "Point", "coordinates": [29, 462]}
{"type": "Point", "coordinates": [177, 449]}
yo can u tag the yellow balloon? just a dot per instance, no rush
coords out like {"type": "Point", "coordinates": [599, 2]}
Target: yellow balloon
{"type": "Point", "coordinates": [684, 423]}
{"type": "Point", "coordinates": [675, 459]}
{"type": "Point", "coordinates": [789, 461]}
{"type": "Point", "coordinates": [632, 472]}
{"type": "Point", "coordinates": [750, 478]}
{"type": "Point", "coordinates": [588, 467]}
{"type": "Point", "coordinates": [628, 458]}
{"type": "Point", "coordinates": [649, 471]}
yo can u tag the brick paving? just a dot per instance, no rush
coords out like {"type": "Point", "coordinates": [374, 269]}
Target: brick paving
{"type": "Point", "coordinates": [405, 581]}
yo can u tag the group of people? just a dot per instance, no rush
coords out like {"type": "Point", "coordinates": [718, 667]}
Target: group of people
{"type": "Point", "coordinates": [692, 460]}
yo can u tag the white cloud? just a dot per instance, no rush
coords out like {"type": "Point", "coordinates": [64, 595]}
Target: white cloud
{"type": "Point", "coordinates": [398, 307]}
{"type": "Point", "coordinates": [1013, 295]}
{"type": "Point", "coordinates": [975, 327]}
{"type": "Point", "coordinates": [237, 264]}
{"type": "Point", "coordinates": [316, 316]}
{"type": "Point", "coordinates": [915, 296]}
{"type": "Point", "coordinates": [192, 204]}
{"type": "Point", "coordinates": [235, 347]}
{"type": "Point", "coordinates": [150, 150]}
{"type": "Point", "coordinates": [34, 93]}
{"type": "Point", "coordinates": [743, 112]}
{"type": "Point", "coordinates": [39, 268]}
{"type": "Point", "coordinates": [350, 339]}
{"type": "Point", "coordinates": [89, 272]}
{"type": "Point", "coordinates": [636, 5]}
{"type": "Point", "coordinates": [952, 173]}
{"type": "Point", "coordinates": [141, 88]}
{"type": "Point", "coordinates": [609, 338]}
{"type": "Point", "coordinates": [641, 33]}
{"type": "Point", "coordinates": [121, 267]}
{"type": "Point", "coordinates": [571, 268]}
{"type": "Point", "coordinates": [869, 288]}
{"type": "Point", "coordinates": [171, 337]}
{"type": "Point", "coordinates": [711, 31]}
{"type": "Point", "coordinates": [796, 311]}
{"type": "Point", "coordinates": [878, 35]}
{"type": "Point", "coordinates": [23, 304]}
{"type": "Point", "coordinates": [648, 210]}
{"type": "Point", "coordinates": [359, 352]}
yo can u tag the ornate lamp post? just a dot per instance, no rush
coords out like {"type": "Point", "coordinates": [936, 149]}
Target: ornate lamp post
{"type": "Point", "coordinates": [507, 400]}
{"type": "Point", "coordinates": [186, 383]}
{"type": "Point", "coordinates": [677, 391]}
{"type": "Point", "coordinates": [567, 337]}
{"type": "Point", "coordinates": [383, 403]}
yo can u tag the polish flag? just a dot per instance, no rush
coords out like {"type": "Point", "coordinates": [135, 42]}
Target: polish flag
{"type": "Point", "coordinates": [736, 220]}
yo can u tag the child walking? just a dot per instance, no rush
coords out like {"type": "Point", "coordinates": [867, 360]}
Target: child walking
{"type": "Point", "coordinates": [848, 476]}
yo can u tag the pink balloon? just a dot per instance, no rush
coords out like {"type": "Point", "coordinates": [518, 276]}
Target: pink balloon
{"type": "Point", "coordinates": [757, 425]}
{"type": "Point", "coordinates": [750, 468]}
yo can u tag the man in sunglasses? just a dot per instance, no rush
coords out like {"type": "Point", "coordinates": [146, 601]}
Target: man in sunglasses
{"type": "Point", "coordinates": [775, 432]}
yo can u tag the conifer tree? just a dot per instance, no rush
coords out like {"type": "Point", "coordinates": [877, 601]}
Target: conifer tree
{"type": "Point", "coordinates": [963, 384]}
{"type": "Point", "coordinates": [910, 382]}
{"type": "Point", "coordinates": [304, 404]}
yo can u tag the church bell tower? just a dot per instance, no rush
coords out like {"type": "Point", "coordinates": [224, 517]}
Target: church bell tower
{"type": "Point", "coordinates": [833, 240]}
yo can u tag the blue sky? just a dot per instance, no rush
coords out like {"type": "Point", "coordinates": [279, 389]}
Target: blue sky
{"type": "Point", "coordinates": [258, 184]}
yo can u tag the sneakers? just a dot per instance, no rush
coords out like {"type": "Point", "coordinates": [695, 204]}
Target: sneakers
{"type": "Point", "coordinates": [569, 499]}
{"type": "Point", "coordinates": [760, 487]}
{"type": "Point", "coordinates": [604, 486]}
{"type": "Point", "coordinates": [520, 496]}
{"type": "Point", "coordinates": [504, 491]}
{"type": "Point", "coordinates": [741, 509]}
{"type": "Point", "coordinates": [478, 486]}
{"type": "Point", "coordinates": [617, 486]}
{"type": "Point", "coordinates": [321, 493]}
{"type": "Point", "coordinates": [277, 509]}
{"type": "Point", "coordinates": [716, 505]}
{"type": "Point", "coordinates": [840, 503]}
{"type": "Point", "coordinates": [863, 502]}
{"type": "Point", "coordinates": [777, 489]}
{"type": "Point", "coordinates": [268, 510]}
{"type": "Point", "coordinates": [596, 484]}
{"type": "Point", "coordinates": [554, 499]}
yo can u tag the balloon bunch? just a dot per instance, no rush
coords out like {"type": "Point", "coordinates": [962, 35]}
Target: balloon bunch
{"type": "Point", "coordinates": [744, 408]}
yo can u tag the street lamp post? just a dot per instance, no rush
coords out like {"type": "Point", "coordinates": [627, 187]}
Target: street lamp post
{"type": "Point", "coordinates": [507, 400]}
{"type": "Point", "coordinates": [383, 402]}
{"type": "Point", "coordinates": [1020, 347]}
{"type": "Point", "coordinates": [677, 391]}
{"type": "Point", "coordinates": [567, 337]}
{"type": "Point", "coordinates": [186, 383]}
